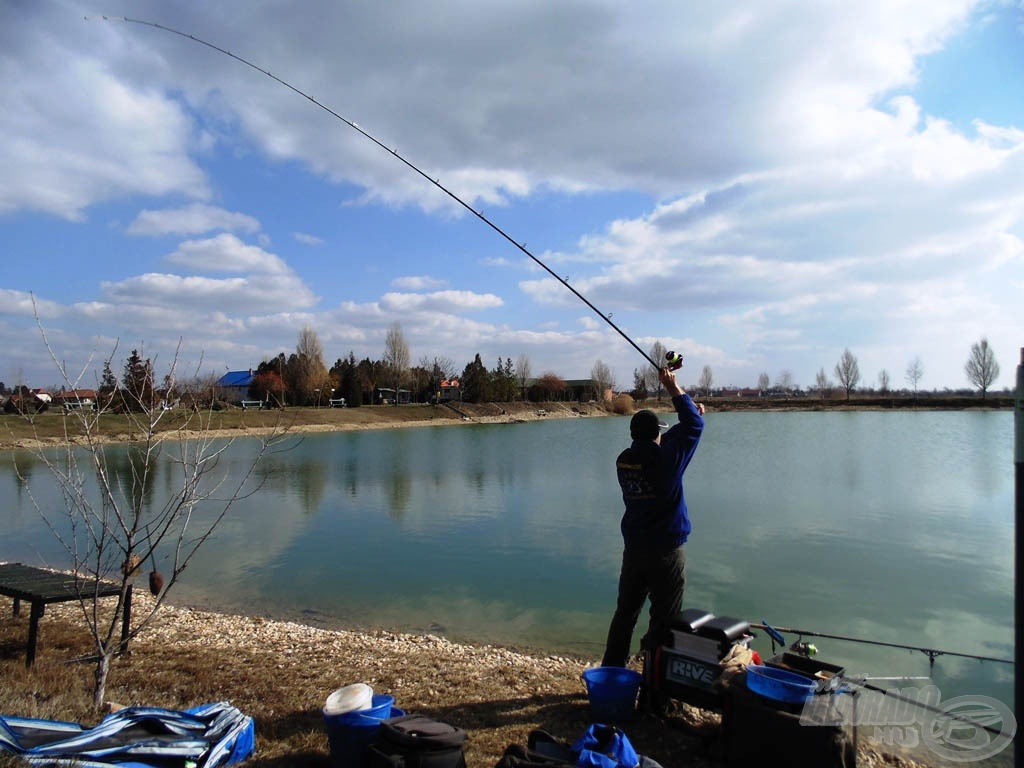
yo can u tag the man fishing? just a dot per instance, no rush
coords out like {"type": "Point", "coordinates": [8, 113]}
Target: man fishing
{"type": "Point", "coordinates": [655, 524]}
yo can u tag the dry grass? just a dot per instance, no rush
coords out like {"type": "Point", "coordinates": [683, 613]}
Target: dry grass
{"type": "Point", "coordinates": [55, 428]}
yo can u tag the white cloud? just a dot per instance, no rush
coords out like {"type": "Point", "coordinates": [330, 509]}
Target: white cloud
{"type": "Point", "coordinates": [439, 301]}
{"type": "Point", "coordinates": [418, 282]}
{"type": "Point", "coordinates": [193, 219]}
{"type": "Point", "coordinates": [185, 294]}
{"type": "Point", "coordinates": [74, 132]}
{"type": "Point", "coordinates": [226, 253]}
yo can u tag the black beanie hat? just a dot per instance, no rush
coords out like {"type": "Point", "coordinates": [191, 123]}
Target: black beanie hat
{"type": "Point", "coordinates": [645, 425]}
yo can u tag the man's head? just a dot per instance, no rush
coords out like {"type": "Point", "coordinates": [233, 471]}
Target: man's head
{"type": "Point", "coordinates": [645, 425]}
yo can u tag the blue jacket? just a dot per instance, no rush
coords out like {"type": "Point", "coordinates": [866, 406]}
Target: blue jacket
{"type": "Point", "coordinates": [651, 477]}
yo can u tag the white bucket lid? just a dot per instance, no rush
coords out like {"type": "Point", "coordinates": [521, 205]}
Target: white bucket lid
{"type": "Point", "coordinates": [351, 698]}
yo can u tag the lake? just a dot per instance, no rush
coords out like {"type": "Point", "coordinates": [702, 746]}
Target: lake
{"type": "Point", "coordinates": [893, 527]}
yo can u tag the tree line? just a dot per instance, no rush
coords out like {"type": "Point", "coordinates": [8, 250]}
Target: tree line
{"type": "Point", "coordinates": [981, 370]}
{"type": "Point", "coordinates": [302, 378]}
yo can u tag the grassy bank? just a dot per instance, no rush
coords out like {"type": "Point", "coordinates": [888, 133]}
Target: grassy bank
{"type": "Point", "coordinates": [55, 428]}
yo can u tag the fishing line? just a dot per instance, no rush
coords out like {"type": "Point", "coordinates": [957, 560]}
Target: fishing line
{"type": "Point", "coordinates": [436, 182]}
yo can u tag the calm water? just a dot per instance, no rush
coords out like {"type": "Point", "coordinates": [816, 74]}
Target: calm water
{"type": "Point", "coordinates": [895, 527]}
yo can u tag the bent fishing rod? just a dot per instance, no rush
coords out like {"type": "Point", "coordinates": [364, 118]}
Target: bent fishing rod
{"type": "Point", "coordinates": [394, 152]}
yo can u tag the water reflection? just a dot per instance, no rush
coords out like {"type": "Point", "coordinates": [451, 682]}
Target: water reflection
{"type": "Point", "coordinates": [276, 476]}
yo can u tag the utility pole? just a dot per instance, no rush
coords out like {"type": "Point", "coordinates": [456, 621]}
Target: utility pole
{"type": "Point", "coordinates": [1018, 552]}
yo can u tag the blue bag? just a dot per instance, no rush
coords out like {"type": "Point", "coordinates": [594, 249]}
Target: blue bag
{"type": "Point", "coordinates": [605, 746]}
{"type": "Point", "coordinates": [209, 736]}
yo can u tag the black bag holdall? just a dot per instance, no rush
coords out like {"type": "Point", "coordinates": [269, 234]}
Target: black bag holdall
{"type": "Point", "coordinates": [417, 741]}
{"type": "Point", "coordinates": [542, 750]}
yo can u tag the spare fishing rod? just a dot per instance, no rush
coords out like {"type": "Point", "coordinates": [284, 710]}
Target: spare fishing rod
{"type": "Point", "coordinates": [932, 653]}
{"type": "Point", "coordinates": [671, 357]}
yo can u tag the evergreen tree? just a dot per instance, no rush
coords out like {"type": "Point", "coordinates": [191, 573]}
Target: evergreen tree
{"type": "Point", "coordinates": [475, 381]}
{"type": "Point", "coordinates": [345, 372]}
{"type": "Point", "coordinates": [107, 383]}
{"type": "Point", "coordinates": [640, 391]}
{"type": "Point", "coordinates": [138, 382]}
{"type": "Point", "coordinates": [503, 382]}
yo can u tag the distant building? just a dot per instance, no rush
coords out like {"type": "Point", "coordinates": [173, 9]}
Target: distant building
{"type": "Point", "coordinates": [740, 393]}
{"type": "Point", "coordinates": [386, 396]}
{"type": "Point", "coordinates": [451, 389]}
{"type": "Point", "coordinates": [76, 399]}
{"type": "Point", "coordinates": [233, 386]}
{"type": "Point", "coordinates": [583, 390]}
{"type": "Point", "coordinates": [25, 400]}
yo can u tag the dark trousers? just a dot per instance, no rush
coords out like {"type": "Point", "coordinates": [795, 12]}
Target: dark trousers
{"type": "Point", "coordinates": [659, 575]}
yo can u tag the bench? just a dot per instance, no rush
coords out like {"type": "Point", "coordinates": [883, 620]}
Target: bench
{"type": "Point", "coordinates": [40, 587]}
{"type": "Point", "coordinates": [78, 405]}
{"type": "Point", "coordinates": [257, 404]}
{"type": "Point", "coordinates": [338, 402]}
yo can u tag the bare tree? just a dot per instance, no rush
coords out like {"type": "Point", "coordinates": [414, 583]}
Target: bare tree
{"type": "Point", "coordinates": [603, 380]}
{"type": "Point", "coordinates": [848, 372]}
{"type": "Point", "coordinates": [551, 386]}
{"type": "Point", "coordinates": [822, 384]}
{"type": "Point", "coordinates": [784, 381]}
{"type": "Point", "coordinates": [310, 371]}
{"type": "Point", "coordinates": [114, 523]}
{"type": "Point", "coordinates": [438, 369]}
{"type": "Point", "coordinates": [523, 374]}
{"type": "Point", "coordinates": [764, 381]}
{"type": "Point", "coordinates": [396, 357]}
{"type": "Point", "coordinates": [981, 367]}
{"type": "Point", "coordinates": [651, 381]}
{"type": "Point", "coordinates": [883, 381]}
{"type": "Point", "coordinates": [706, 379]}
{"type": "Point", "coordinates": [915, 371]}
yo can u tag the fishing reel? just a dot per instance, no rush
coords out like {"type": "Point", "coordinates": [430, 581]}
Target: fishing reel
{"type": "Point", "coordinates": [673, 361]}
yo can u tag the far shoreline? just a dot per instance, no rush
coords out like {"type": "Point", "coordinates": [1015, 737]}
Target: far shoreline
{"type": "Point", "coordinates": [55, 429]}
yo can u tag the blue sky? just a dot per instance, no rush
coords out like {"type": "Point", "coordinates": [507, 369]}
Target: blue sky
{"type": "Point", "coordinates": [759, 186]}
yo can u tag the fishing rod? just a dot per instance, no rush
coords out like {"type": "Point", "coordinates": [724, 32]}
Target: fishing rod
{"type": "Point", "coordinates": [931, 653]}
{"type": "Point", "coordinates": [672, 357]}
{"type": "Point", "coordinates": [849, 685]}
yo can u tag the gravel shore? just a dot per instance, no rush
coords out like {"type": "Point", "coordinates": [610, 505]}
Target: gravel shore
{"type": "Point", "coordinates": [281, 672]}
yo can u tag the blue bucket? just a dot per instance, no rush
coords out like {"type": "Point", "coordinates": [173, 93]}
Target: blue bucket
{"type": "Point", "coordinates": [612, 692]}
{"type": "Point", "coordinates": [379, 709]}
{"type": "Point", "coordinates": [779, 684]}
{"type": "Point", "coordinates": [350, 734]}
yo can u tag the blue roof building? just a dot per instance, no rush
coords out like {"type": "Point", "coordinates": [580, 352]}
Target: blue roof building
{"type": "Point", "coordinates": [234, 385]}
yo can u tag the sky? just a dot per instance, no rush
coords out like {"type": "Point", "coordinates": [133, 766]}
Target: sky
{"type": "Point", "coordinates": [759, 186]}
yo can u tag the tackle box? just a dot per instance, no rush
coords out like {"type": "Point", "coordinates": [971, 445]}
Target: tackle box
{"type": "Point", "coordinates": [808, 666]}
{"type": "Point", "coordinates": [688, 664]}
{"type": "Point", "coordinates": [705, 636]}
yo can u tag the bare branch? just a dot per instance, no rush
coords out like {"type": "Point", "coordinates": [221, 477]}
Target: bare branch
{"type": "Point", "coordinates": [115, 520]}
